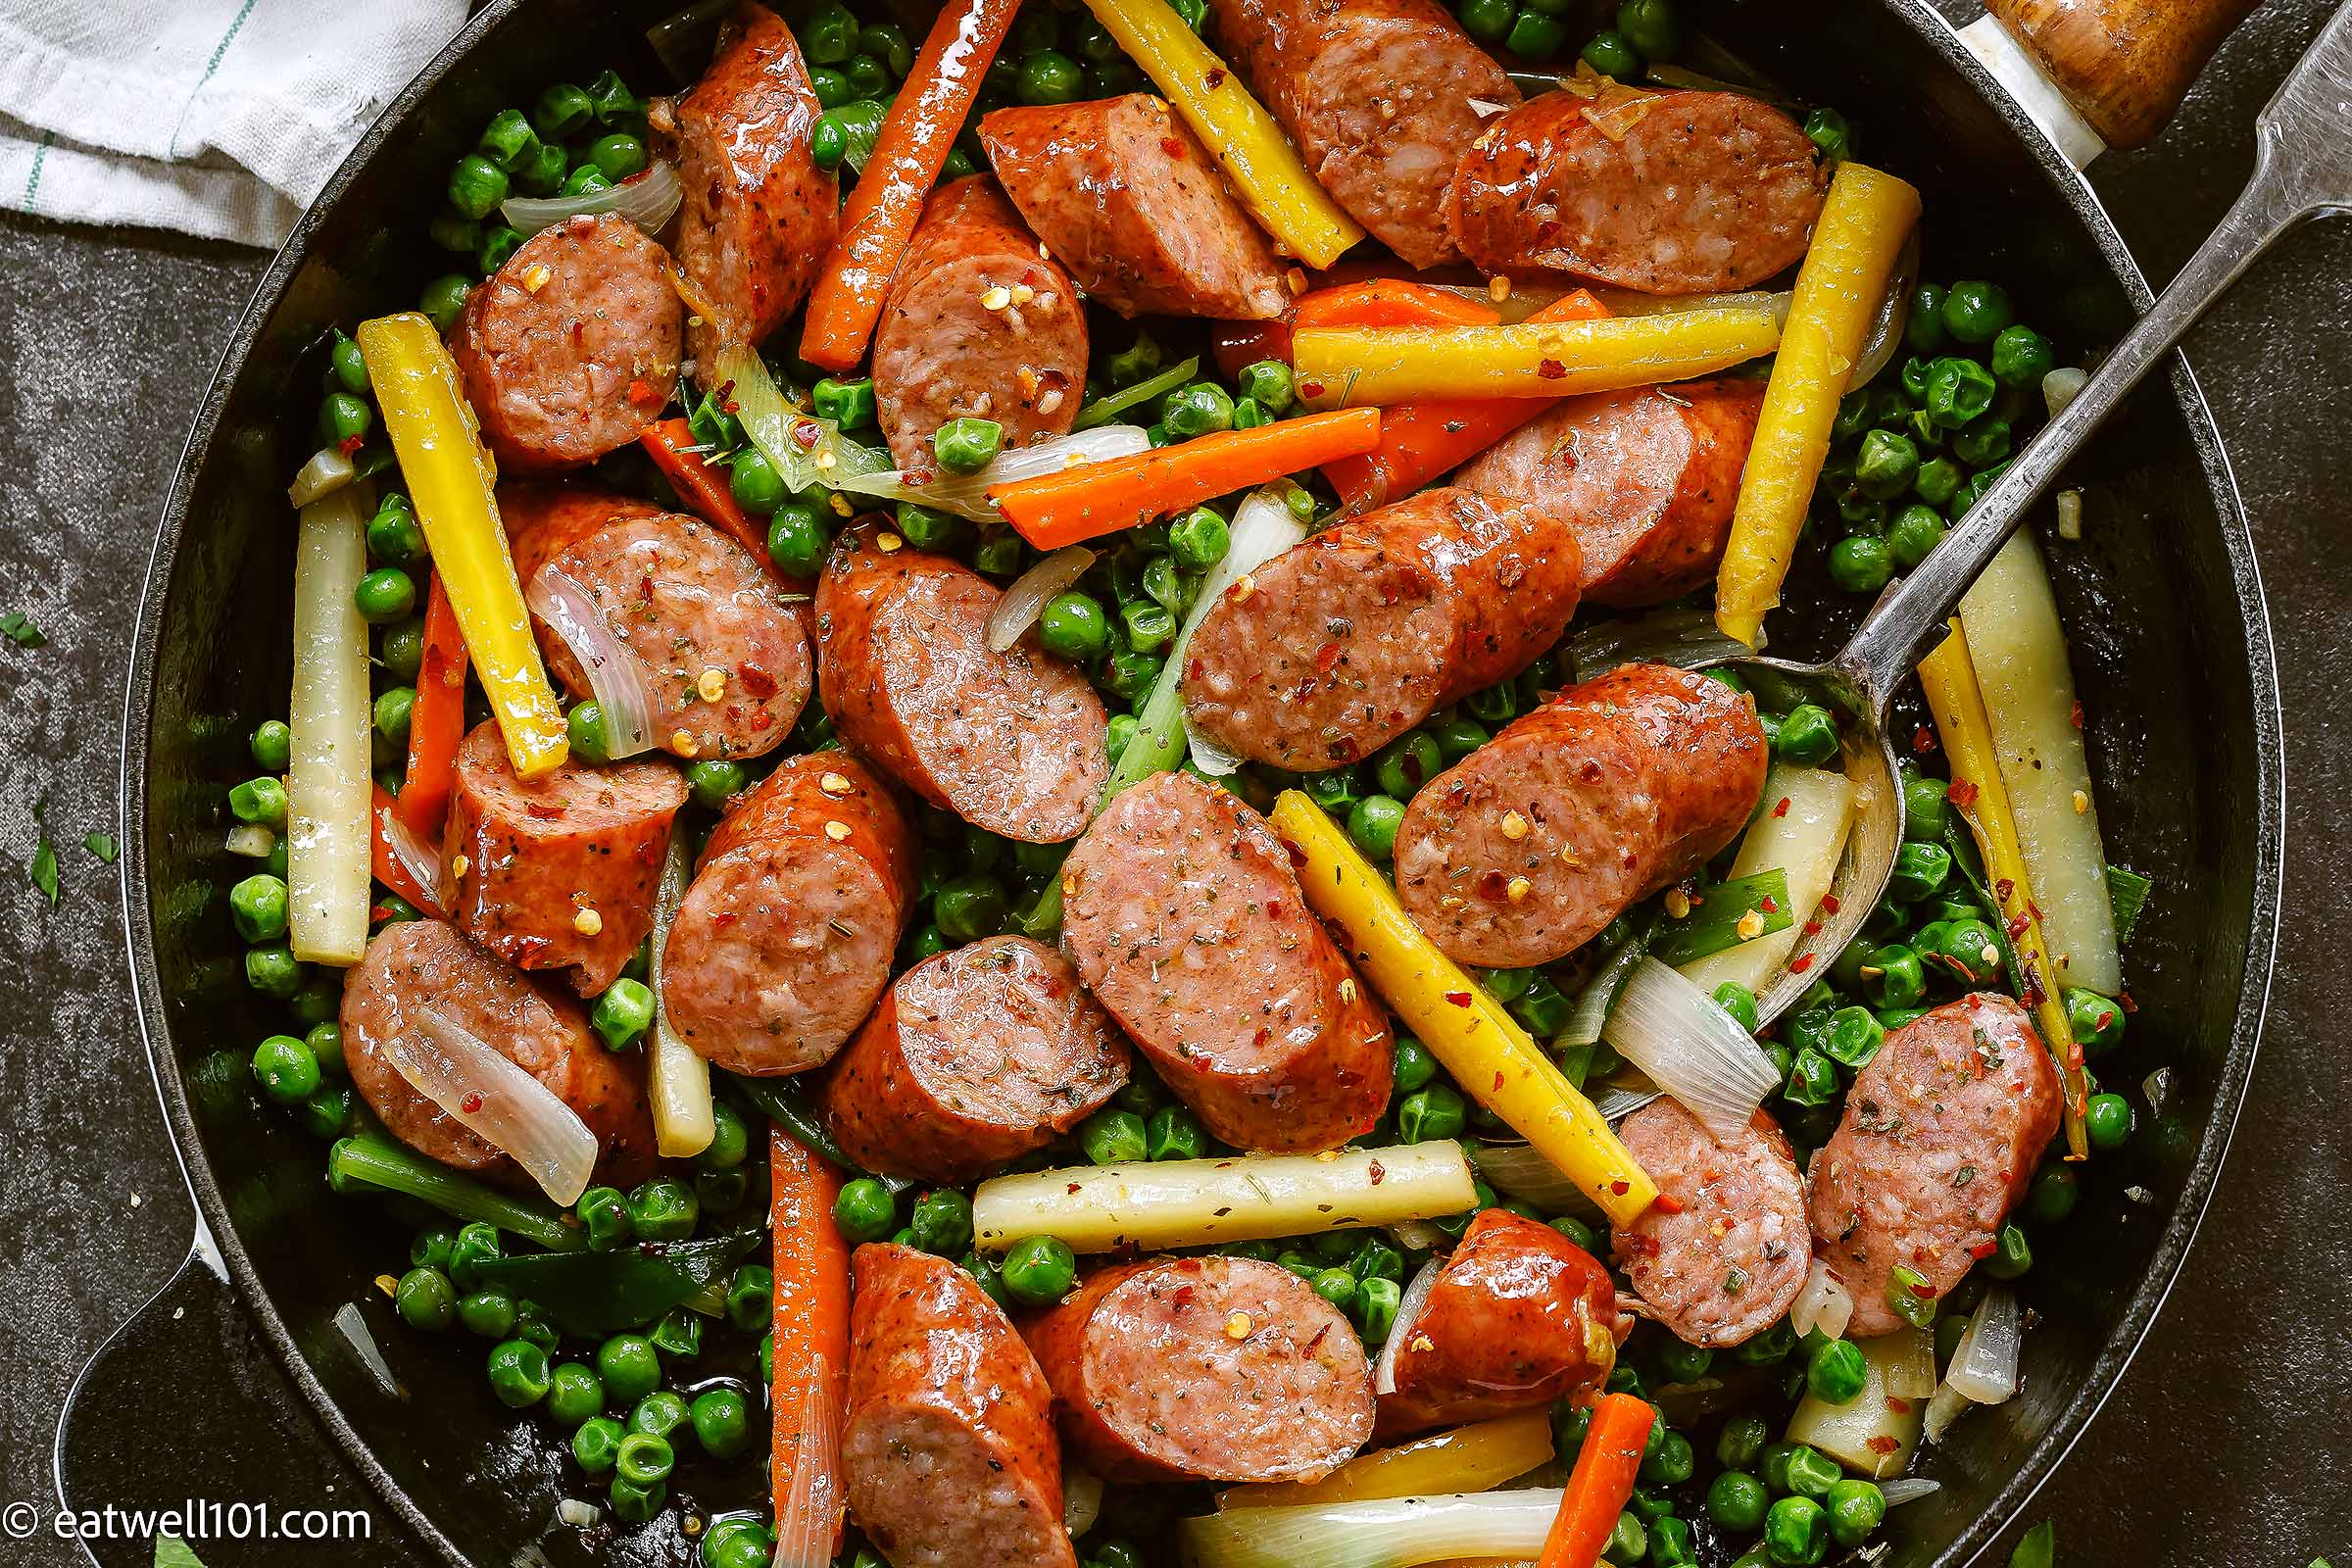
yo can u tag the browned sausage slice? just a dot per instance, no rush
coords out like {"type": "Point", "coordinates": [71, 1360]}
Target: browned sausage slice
{"type": "Point", "coordinates": [1723, 1267]}
{"type": "Point", "coordinates": [697, 610]}
{"type": "Point", "coordinates": [1705, 192]}
{"type": "Point", "coordinates": [975, 1058]}
{"type": "Point", "coordinates": [570, 348]}
{"type": "Point", "coordinates": [1123, 196]}
{"type": "Point", "coordinates": [1527, 846]}
{"type": "Point", "coordinates": [759, 214]}
{"type": "Point", "coordinates": [558, 871]}
{"type": "Point", "coordinates": [948, 1451]}
{"type": "Point", "coordinates": [1939, 1139]}
{"type": "Point", "coordinates": [978, 322]}
{"type": "Point", "coordinates": [1645, 478]}
{"type": "Point", "coordinates": [1520, 1316]}
{"type": "Point", "coordinates": [1379, 95]}
{"type": "Point", "coordinates": [1012, 742]}
{"type": "Point", "coordinates": [411, 963]}
{"type": "Point", "coordinates": [1205, 1368]}
{"type": "Point", "coordinates": [1187, 920]}
{"type": "Point", "coordinates": [1339, 646]}
{"type": "Point", "coordinates": [784, 938]}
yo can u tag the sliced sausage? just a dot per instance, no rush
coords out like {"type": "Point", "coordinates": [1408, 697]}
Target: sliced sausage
{"type": "Point", "coordinates": [1012, 741]}
{"type": "Point", "coordinates": [1187, 920]}
{"type": "Point", "coordinates": [699, 613]}
{"type": "Point", "coordinates": [558, 871]}
{"type": "Point", "coordinates": [975, 1058]}
{"type": "Point", "coordinates": [1723, 1267]}
{"type": "Point", "coordinates": [759, 214]}
{"type": "Point", "coordinates": [1122, 194]}
{"type": "Point", "coordinates": [979, 321]}
{"type": "Point", "coordinates": [1645, 478]}
{"type": "Point", "coordinates": [1527, 846]}
{"type": "Point", "coordinates": [1339, 646]}
{"type": "Point", "coordinates": [1205, 1368]}
{"type": "Point", "coordinates": [1519, 1316]}
{"type": "Point", "coordinates": [412, 965]}
{"type": "Point", "coordinates": [783, 942]}
{"type": "Point", "coordinates": [947, 1449]}
{"type": "Point", "coordinates": [1704, 192]}
{"type": "Point", "coordinates": [570, 348]}
{"type": "Point", "coordinates": [1377, 95]}
{"type": "Point", "coordinates": [1939, 1139]}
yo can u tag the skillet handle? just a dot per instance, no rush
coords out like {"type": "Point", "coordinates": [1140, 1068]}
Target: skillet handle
{"type": "Point", "coordinates": [2124, 65]}
{"type": "Point", "coordinates": [183, 1409]}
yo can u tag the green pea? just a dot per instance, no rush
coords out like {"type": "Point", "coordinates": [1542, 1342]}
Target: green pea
{"type": "Point", "coordinates": [605, 1215]}
{"type": "Point", "coordinates": [828, 141]}
{"type": "Point", "coordinates": [562, 109]}
{"type": "Point", "coordinates": [272, 745]}
{"type": "Point", "coordinates": [612, 99]}
{"type": "Point", "coordinates": [1981, 442]}
{"type": "Point", "coordinates": [1651, 27]}
{"type": "Point", "coordinates": [1372, 826]}
{"type": "Point", "coordinates": [969, 908]}
{"type": "Point", "coordinates": [1148, 626]}
{"type": "Point", "coordinates": [943, 1222]}
{"type": "Point", "coordinates": [2097, 1020]}
{"type": "Point", "coordinates": [1049, 76]}
{"type": "Point", "coordinates": [391, 714]}
{"type": "Point", "coordinates": [2052, 1195]}
{"type": "Point", "coordinates": [1919, 871]}
{"type": "Point", "coordinates": [1740, 1002]}
{"type": "Point", "coordinates": [489, 1313]}
{"type": "Point", "coordinates": [630, 1367]}
{"type": "Point", "coordinates": [1808, 736]}
{"type": "Point", "coordinates": [730, 1138]}
{"type": "Point", "coordinates": [722, 1422]}
{"type": "Point", "coordinates": [1884, 465]}
{"type": "Point", "coordinates": [1957, 391]}
{"type": "Point", "coordinates": [1736, 1501]}
{"type": "Point", "coordinates": [888, 42]}
{"type": "Point", "coordinates": [330, 1111]}
{"type": "Point", "coordinates": [1915, 532]}
{"type": "Point", "coordinates": [753, 482]}
{"type": "Point", "coordinates": [575, 1396]}
{"type": "Point", "coordinates": [257, 905]}
{"type": "Point", "coordinates": [1976, 312]}
{"type": "Point", "coordinates": [1827, 130]}
{"type": "Point", "coordinates": [477, 186]}
{"type": "Point", "coordinates": [1908, 1296]}
{"type": "Point", "coordinates": [849, 403]}
{"type": "Point", "coordinates": [1836, 1373]}
{"type": "Point", "coordinates": [623, 1013]}
{"type": "Point", "coordinates": [584, 180]}
{"type": "Point", "coordinates": [735, 1543]}
{"type": "Point", "coordinates": [1412, 1065]}
{"type": "Point", "coordinates": [663, 1209]}
{"type": "Point", "coordinates": [1174, 1133]}
{"type": "Point", "coordinates": [1198, 539]}
{"type": "Point", "coordinates": [1609, 52]}
{"type": "Point", "coordinates": [720, 1191]}
{"type": "Point", "coordinates": [287, 1068]}
{"type": "Point", "coordinates": [1139, 361]}
{"type": "Point", "coordinates": [1039, 1269]}
{"type": "Point", "coordinates": [751, 1295]}
{"type": "Point", "coordinates": [517, 1371]}
{"type": "Point", "coordinates": [713, 781]}
{"type": "Point", "coordinates": [1200, 409]}
{"type": "Point", "coordinates": [393, 535]}
{"type": "Point", "coordinates": [1855, 1508]}
{"type": "Point", "coordinates": [2021, 357]}
{"type": "Point", "coordinates": [1924, 330]}
{"type": "Point", "coordinates": [1853, 1037]}
{"type": "Point", "coordinates": [509, 142]}
{"type": "Point", "coordinates": [1406, 763]}
{"type": "Point", "coordinates": [1862, 564]}
{"type": "Point", "coordinates": [444, 300]}
{"type": "Point", "coordinates": [1459, 737]}
{"type": "Point", "coordinates": [643, 1460]}
{"type": "Point", "coordinates": [1740, 1441]}
{"type": "Point", "coordinates": [1488, 21]}
{"type": "Point", "coordinates": [1796, 1533]}
{"type": "Point", "coordinates": [966, 445]}
{"type": "Point", "coordinates": [273, 971]}
{"type": "Point", "coordinates": [1683, 1363]}
{"type": "Point", "coordinates": [797, 539]}
{"type": "Point", "coordinates": [1811, 1472]}
{"type": "Point", "coordinates": [617, 157]}
{"type": "Point", "coordinates": [833, 88]}
{"type": "Point", "coordinates": [1812, 1079]}
{"type": "Point", "coordinates": [385, 595]}
{"type": "Point", "coordinates": [1375, 1308]}
{"type": "Point", "coordinates": [343, 418]}
{"type": "Point", "coordinates": [1432, 1113]}
{"type": "Point", "coordinates": [584, 731]}
{"type": "Point", "coordinates": [865, 1210]}
{"type": "Point", "coordinates": [658, 1414]}
{"type": "Point", "coordinates": [1892, 977]}
{"type": "Point", "coordinates": [426, 1299]}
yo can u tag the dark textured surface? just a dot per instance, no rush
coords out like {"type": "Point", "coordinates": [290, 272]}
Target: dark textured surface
{"type": "Point", "coordinates": [2220, 1445]}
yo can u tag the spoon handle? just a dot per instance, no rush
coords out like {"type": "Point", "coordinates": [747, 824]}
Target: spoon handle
{"type": "Point", "coordinates": [2302, 168]}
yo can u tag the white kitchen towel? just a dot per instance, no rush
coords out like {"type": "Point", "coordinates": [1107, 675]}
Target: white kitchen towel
{"type": "Point", "coordinates": [219, 118]}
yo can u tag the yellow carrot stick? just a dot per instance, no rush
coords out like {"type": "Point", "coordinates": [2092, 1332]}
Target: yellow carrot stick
{"type": "Point", "coordinates": [1488, 1054]}
{"type": "Point", "coordinates": [451, 479]}
{"type": "Point", "coordinates": [1983, 801]}
{"type": "Point", "coordinates": [1340, 366]}
{"type": "Point", "coordinates": [1265, 170]}
{"type": "Point", "coordinates": [1838, 290]}
{"type": "Point", "coordinates": [1469, 1458]}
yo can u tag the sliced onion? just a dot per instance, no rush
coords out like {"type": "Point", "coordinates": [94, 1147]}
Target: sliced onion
{"type": "Point", "coordinates": [2062, 386]}
{"type": "Point", "coordinates": [677, 1080]}
{"type": "Point", "coordinates": [327, 472]}
{"type": "Point", "coordinates": [803, 448]}
{"type": "Point", "coordinates": [1591, 1014]}
{"type": "Point", "coordinates": [1894, 315]}
{"type": "Point", "coordinates": [1520, 1170]}
{"type": "Point", "coordinates": [576, 1512]}
{"type": "Point", "coordinates": [354, 1328]}
{"type": "Point", "coordinates": [1985, 1364]}
{"type": "Point", "coordinates": [967, 494]}
{"type": "Point", "coordinates": [1911, 1370]}
{"type": "Point", "coordinates": [420, 860]}
{"type": "Point", "coordinates": [250, 840]}
{"type": "Point", "coordinates": [1207, 755]}
{"type": "Point", "coordinates": [481, 1088]}
{"type": "Point", "coordinates": [2157, 1086]}
{"type": "Point", "coordinates": [622, 685]}
{"type": "Point", "coordinates": [1907, 1488]}
{"type": "Point", "coordinates": [1375, 1533]}
{"type": "Point", "coordinates": [1263, 527]}
{"type": "Point", "coordinates": [1080, 1499]}
{"type": "Point", "coordinates": [645, 199]}
{"type": "Point", "coordinates": [1823, 1305]}
{"type": "Point", "coordinates": [1690, 1047]}
{"type": "Point", "coordinates": [809, 1514]}
{"type": "Point", "coordinates": [1948, 1406]}
{"type": "Point", "coordinates": [1408, 1312]}
{"type": "Point", "coordinates": [1417, 1236]}
{"type": "Point", "coordinates": [2070, 515]}
{"type": "Point", "coordinates": [1032, 591]}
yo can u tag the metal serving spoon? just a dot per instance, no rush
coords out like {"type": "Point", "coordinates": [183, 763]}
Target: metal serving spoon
{"type": "Point", "coordinates": [2303, 169]}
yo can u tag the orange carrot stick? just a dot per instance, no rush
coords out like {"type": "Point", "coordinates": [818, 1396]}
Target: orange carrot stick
{"type": "Point", "coordinates": [1421, 440]}
{"type": "Point", "coordinates": [1355, 302]}
{"type": "Point", "coordinates": [912, 148]}
{"type": "Point", "coordinates": [809, 1353]}
{"type": "Point", "coordinates": [1099, 498]}
{"type": "Point", "coordinates": [705, 489]}
{"type": "Point", "coordinates": [1600, 1485]}
{"type": "Point", "coordinates": [383, 819]}
{"type": "Point", "coordinates": [437, 720]}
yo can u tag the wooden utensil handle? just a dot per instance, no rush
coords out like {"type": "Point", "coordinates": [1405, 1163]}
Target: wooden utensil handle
{"type": "Point", "coordinates": [2124, 65]}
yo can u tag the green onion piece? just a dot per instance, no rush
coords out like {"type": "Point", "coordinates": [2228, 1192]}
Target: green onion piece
{"type": "Point", "coordinates": [788, 1108]}
{"type": "Point", "coordinates": [1109, 405]}
{"type": "Point", "coordinates": [2127, 895]}
{"type": "Point", "coordinates": [1713, 924]}
{"type": "Point", "coordinates": [604, 1292]}
{"type": "Point", "coordinates": [1600, 995]}
{"type": "Point", "coordinates": [376, 1164]}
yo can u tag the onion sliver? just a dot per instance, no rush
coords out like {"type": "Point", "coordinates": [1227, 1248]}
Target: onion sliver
{"type": "Point", "coordinates": [647, 200]}
{"type": "Point", "coordinates": [1823, 1305]}
{"type": "Point", "coordinates": [1520, 1170]}
{"type": "Point", "coordinates": [967, 494]}
{"type": "Point", "coordinates": [354, 1329]}
{"type": "Point", "coordinates": [1911, 1369]}
{"type": "Point", "coordinates": [482, 1089]}
{"type": "Point", "coordinates": [1388, 1532]}
{"type": "Point", "coordinates": [622, 685]}
{"type": "Point", "coordinates": [421, 861]}
{"type": "Point", "coordinates": [1690, 1047]}
{"type": "Point", "coordinates": [327, 472]}
{"type": "Point", "coordinates": [1032, 591]}
{"type": "Point", "coordinates": [1907, 1488]}
{"type": "Point", "coordinates": [1984, 1363]}
{"type": "Point", "coordinates": [1409, 1312]}
{"type": "Point", "coordinates": [677, 1078]}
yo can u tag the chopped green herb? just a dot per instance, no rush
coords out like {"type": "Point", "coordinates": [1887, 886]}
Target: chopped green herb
{"type": "Point", "coordinates": [103, 846]}
{"type": "Point", "coordinates": [2039, 1548]}
{"type": "Point", "coordinates": [2127, 895]}
{"type": "Point", "coordinates": [43, 871]}
{"type": "Point", "coordinates": [173, 1552]}
{"type": "Point", "coordinates": [20, 630]}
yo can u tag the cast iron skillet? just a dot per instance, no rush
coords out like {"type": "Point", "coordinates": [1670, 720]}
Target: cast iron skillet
{"type": "Point", "coordinates": [2170, 648]}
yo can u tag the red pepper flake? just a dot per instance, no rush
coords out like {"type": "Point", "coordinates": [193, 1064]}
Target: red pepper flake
{"type": "Point", "coordinates": [641, 391]}
{"type": "Point", "coordinates": [1898, 1404]}
{"type": "Point", "coordinates": [1492, 885]}
{"type": "Point", "coordinates": [1923, 739]}
{"type": "Point", "coordinates": [470, 1103]}
{"type": "Point", "coordinates": [1667, 1203]}
{"type": "Point", "coordinates": [543, 810]}
{"type": "Point", "coordinates": [2123, 1000]}
{"type": "Point", "coordinates": [1781, 808]}
{"type": "Point", "coordinates": [2073, 715]}
{"type": "Point", "coordinates": [1551, 369]}
{"type": "Point", "coordinates": [1073, 1187]}
{"type": "Point", "coordinates": [1327, 658]}
{"type": "Point", "coordinates": [1498, 1083]}
{"type": "Point", "coordinates": [1380, 1173]}
{"type": "Point", "coordinates": [1801, 963]}
{"type": "Point", "coordinates": [729, 404]}
{"type": "Point", "coordinates": [1310, 389]}
{"type": "Point", "coordinates": [1882, 1445]}
{"type": "Point", "coordinates": [1984, 1248]}
{"type": "Point", "coordinates": [350, 444]}
{"type": "Point", "coordinates": [1172, 146]}
{"type": "Point", "coordinates": [1460, 999]}
{"type": "Point", "coordinates": [1273, 909]}
{"type": "Point", "coordinates": [1621, 1187]}
{"type": "Point", "coordinates": [755, 680]}
{"type": "Point", "coordinates": [1770, 904]}
{"type": "Point", "coordinates": [1184, 1296]}
{"type": "Point", "coordinates": [1963, 794]}
{"type": "Point", "coordinates": [2003, 888]}
{"type": "Point", "coordinates": [1812, 928]}
{"type": "Point", "coordinates": [2017, 928]}
{"type": "Point", "coordinates": [1829, 901]}
{"type": "Point", "coordinates": [1215, 79]}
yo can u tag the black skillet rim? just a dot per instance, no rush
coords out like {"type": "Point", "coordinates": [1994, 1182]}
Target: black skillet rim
{"type": "Point", "coordinates": [2180, 1227]}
